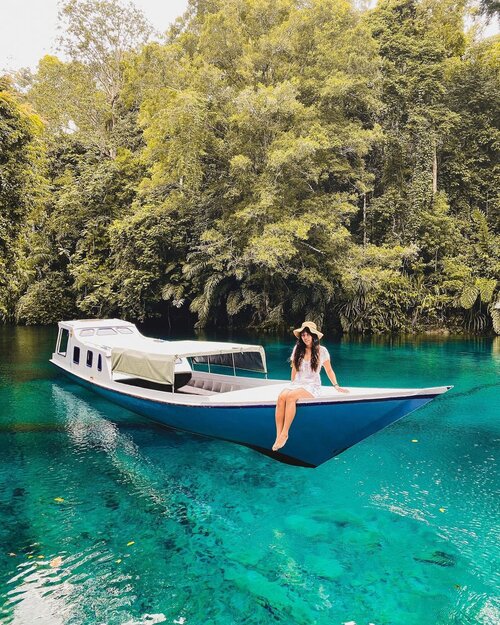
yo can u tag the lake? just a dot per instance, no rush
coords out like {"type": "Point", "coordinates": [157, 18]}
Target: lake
{"type": "Point", "coordinates": [106, 518]}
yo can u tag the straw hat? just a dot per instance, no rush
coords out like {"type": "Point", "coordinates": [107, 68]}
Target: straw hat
{"type": "Point", "coordinates": [311, 326]}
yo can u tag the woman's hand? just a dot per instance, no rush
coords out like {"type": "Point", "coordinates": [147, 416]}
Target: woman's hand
{"type": "Point", "coordinates": [341, 390]}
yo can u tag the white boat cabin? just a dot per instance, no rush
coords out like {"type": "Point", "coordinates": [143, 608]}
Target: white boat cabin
{"type": "Point", "coordinates": [112, 351]}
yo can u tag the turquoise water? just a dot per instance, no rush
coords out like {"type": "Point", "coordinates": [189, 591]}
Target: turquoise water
{"type": "Point", "coordinates": [155, 526]}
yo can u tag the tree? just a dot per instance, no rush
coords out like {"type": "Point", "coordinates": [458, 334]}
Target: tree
{"type": "Point", "coordinates": [264, 162]}
{"type": "Point", "coordinates": [21, 187]}
{"type": "Point", "coordinates": [416, 41]}
{"type": "Point", "coordinates": [470, 169]}
{"type": "Point", "coordinates": [264, 135]}
{"type": "Point", "coordinates": [82, 96]}
{"type": "Point", "coordinates": [98, 35]}
{"type": "Point", "coordinates": [491, 8]}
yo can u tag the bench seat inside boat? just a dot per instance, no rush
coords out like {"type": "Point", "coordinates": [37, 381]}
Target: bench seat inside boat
{"type": "Point", "coordinates": [197, 386]}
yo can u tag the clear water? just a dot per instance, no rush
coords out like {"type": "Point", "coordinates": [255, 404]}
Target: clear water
{"type": "Point", "coordinates": [391, 532]}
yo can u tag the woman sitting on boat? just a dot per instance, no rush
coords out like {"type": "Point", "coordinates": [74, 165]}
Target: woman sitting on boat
{"type": "Point", "coordinates": [307, 358]}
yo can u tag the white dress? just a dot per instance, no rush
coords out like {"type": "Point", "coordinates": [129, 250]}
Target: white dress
{"type": "Point", "coordinates": [308, 379]}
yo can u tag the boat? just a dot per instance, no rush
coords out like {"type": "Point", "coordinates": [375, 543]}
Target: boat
{"type": "Point", "coordinates": [199, 387]}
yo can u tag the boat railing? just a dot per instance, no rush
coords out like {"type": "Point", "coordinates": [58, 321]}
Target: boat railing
{"type": "Point", "coordinates": [210, 365]}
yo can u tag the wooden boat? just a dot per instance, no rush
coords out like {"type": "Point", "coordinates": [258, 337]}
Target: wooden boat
{"type": "Point", "coordinates": [180, 384]}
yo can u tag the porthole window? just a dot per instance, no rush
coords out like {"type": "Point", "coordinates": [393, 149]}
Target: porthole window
{"type": "Point", "coordinates": [76, 355]}
{"type": "Point", "coordinates": [99, 362]}
{"type": "Point", "coordinates": [90, 358]}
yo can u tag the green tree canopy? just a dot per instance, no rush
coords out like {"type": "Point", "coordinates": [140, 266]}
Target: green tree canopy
{"type": "Point", "coordinates": [260, 163]}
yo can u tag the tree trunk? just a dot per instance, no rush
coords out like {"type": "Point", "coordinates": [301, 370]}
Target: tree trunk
{"type": "Point", "coordinates": [435, 172]}
{"type": "Point", "coordinates": [364, 220]}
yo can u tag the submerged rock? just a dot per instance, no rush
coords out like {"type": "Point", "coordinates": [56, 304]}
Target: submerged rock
{"type": "Point", "coordinates": [272, 595]}
{"type": "Point", "coordinates": [440, 558]}
{"type": "Point", "coordinates": [307, 527]}
{"type": "Point", "coordinates": [328, 568]}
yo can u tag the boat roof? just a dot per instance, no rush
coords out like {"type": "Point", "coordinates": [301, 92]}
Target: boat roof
{"type": "Point", "coordinates": [96, 323]}
{"type": "Point", "coordinates": [176, 349]}
{"type": "Point", "coordinates": [190, 349]}
{"type": "Point", "coordinates": [149, 349]}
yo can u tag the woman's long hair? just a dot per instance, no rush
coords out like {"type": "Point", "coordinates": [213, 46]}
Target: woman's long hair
{"type": "Point", "coordinates": [300, 350]}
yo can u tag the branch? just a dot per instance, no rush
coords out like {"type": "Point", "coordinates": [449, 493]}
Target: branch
{"type": "Point", "coordinates": [311, 247]}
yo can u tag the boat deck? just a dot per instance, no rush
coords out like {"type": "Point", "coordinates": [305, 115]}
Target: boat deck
{"type": "Point", "coordinates": [228, 390]}
{"type": "Point", "coordinates": [269, 394]}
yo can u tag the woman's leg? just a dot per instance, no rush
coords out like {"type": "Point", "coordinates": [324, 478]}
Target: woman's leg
{"type": "Point", "coordinates": [280, 412]}
{"type": "Point", "coordinates": [290, 411]}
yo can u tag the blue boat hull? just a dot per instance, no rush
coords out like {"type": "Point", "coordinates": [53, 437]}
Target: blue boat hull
{"type": "Point", "coordinates": [319, 432]}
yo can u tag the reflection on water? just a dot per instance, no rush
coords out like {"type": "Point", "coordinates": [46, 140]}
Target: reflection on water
{"type": "Point", "coordinates": [107, 518]}
{"type": "Point", "coordinates": [85, 427]}
{"type": "Point", "coordinates": [495, 346]}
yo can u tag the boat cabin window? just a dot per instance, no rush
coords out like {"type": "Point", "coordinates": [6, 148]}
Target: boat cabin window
{"type": "Point", "coordinates": [76, 355]}
{"type": "Point", "coordinates": [87, 332]}
{"type": "Point", "coordinates": [124, 330]}
{"type": "Point", "coordinates": [105, 331]}
{"type": "Point", "coordinates": [63, 342]}
{"type": "Point", "coordinates": [99, 362]}
{"type": "Point", "coordinates": [90, 358]}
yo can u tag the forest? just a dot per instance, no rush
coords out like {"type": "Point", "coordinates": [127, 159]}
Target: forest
{"type": "Point", "coordinates": [259, 163]}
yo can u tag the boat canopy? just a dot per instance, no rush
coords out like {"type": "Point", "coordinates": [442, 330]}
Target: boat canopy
{"type": "Point", "coordinates": [157, 361]}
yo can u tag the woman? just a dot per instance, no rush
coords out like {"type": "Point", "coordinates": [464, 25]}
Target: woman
{"type": "Point", "coordinates": [308, 357]}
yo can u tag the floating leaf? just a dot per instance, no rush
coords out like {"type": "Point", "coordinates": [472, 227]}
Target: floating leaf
{"type": "Point", "coordinates": [132, 542]}
{"type": "Point", "coordinates": [55, 562]}
{"type": "Point", "coordinates": [414, 440]}
{"type": "Point", "coordinates": [59, 499]}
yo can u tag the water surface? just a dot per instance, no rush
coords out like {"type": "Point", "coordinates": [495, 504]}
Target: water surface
{"type": "Point", "coordinates": [108, 518]}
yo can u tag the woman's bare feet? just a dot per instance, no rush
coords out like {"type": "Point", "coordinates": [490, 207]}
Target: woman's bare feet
{"type": "Point", "coordinates": [280, 441]}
